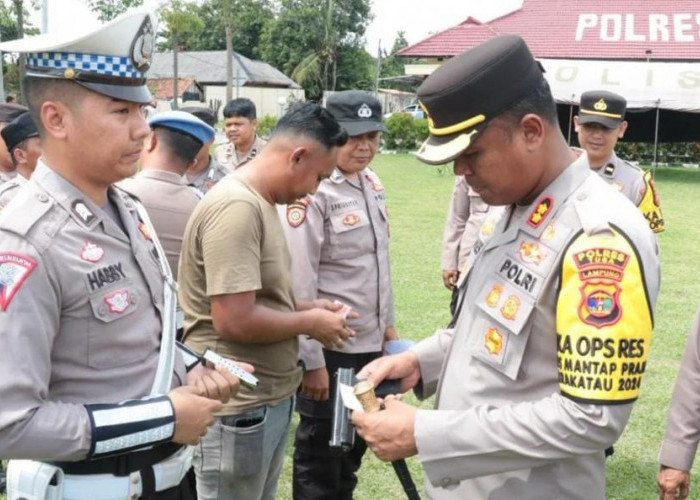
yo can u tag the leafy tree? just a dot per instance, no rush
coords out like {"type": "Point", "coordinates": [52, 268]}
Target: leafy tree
{"type": "Point", "coordinates": [179, 20]}
{"type": "Point", "coordinates": [393, 66]}
{"type": "Point", "coordinates": [14, 25]}
{"type": "Point", "coordinates": [307, 45]}
{"type": "Point", "coordinates": [109, 9]}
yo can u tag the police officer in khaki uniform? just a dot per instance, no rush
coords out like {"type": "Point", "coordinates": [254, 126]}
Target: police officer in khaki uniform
{"type": "Point", "coordinates": [241, 124]}
{"type": "Point", "coordinates": [173, 146]}
{"type": "Point", "coordinates": [599, 124]}
{"type": "Point", "coordinates": [21, 137]}
{"type": "Point", "coordinates": [539, 373]}
{"type": "Point", "coordinates": [207, 171]}
{"type": "Point", "coordinates": [465, 216]}
{"type": "Point", "coordinates": [8, 112]}
{"type": "Point", "coordinates": [92, 387]}
{"type": "Point", "coordinates": [683, 424]}
{"type": "Point", "coordinates": [339, 241]}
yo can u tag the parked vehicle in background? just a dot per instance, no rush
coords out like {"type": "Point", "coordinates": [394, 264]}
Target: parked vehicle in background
{"type": "Point", "coordinates": [412, 109]}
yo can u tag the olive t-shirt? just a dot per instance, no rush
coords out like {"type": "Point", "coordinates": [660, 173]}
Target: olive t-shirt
{"type": "Point", "coordinates": [234, 243]}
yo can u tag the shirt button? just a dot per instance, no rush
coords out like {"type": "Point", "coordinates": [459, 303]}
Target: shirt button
{"type": "Point", "coordinates": [135, 480]}
{"type": "Point", "coordinates": [581, 196]}
{"type": "Point", "coordinates": [42, 197]}
{"type": "Point", "coordinates": [101, 311]}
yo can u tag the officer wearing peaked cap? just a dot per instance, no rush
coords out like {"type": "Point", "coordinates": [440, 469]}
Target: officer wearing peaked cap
{"type": "Point", "coordinates": [599, 124]}
{"type": "Point", "coordinates": [86, 294]}
{"type": "Point", "coordinates": [22, 140]}
{"type": "Point", "coordinates": [524, 406]}
{"type": "Point", "coordinates": [171, 149]}
{"type": "Point", "coordinates": [204, 174]}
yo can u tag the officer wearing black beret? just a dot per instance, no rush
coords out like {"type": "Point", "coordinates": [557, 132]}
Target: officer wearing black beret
{"type": "Point", "coordinates": [524, 406]}
{"type": "Point", "coordinates": [600, 124]}
{"type": "Point", "coordinates": [8, 112]}
{"type": "Point", "coordinates": [22, 140]}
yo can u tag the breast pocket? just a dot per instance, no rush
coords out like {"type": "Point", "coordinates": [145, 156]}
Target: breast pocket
{"type": "Point", "coordinates": [350, 235]}
{"type": "Point", "coordinates": [502, 326]}
{"type": "Point", "coordinates": [115, 337]}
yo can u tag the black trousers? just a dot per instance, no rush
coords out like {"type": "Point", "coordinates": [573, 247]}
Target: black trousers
{"type": "Point", "coordinates": [318, 472]}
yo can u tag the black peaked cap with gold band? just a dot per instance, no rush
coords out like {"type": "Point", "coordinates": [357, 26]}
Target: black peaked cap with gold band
{"type": "Point", "coordinates": [469, 90]}
{"type": "Point", "coordinates": [603, 107]}
{"type": "Point", "coordinates": [111, 60]}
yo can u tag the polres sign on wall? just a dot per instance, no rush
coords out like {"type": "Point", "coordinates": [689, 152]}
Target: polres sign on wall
{"type": "Point", "coordinates": [678, 27]}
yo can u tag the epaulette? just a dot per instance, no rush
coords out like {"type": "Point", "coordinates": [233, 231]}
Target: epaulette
{"type": "Point", "coordinates": [593, 217]}
{"type": "Point", "coordinates": [126, 196]}
{"type": "Point", "coordinates": [631, 165]}
{"type": "Point", "coordinates": [29, 206]}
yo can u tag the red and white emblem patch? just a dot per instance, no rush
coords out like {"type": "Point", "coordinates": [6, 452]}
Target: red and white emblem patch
{"type": "Point", "coordinates": [91, 252]}
{"type": "Point", "coordinates": [118, 302]}
{"type": "Point", "coordinates": [14, 269]}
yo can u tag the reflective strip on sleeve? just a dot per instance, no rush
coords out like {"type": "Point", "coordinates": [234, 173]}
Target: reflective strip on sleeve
{"type": "Point", "coordinates": [130, 425]}
{"type": "Point", "coordinates": [604, 321]}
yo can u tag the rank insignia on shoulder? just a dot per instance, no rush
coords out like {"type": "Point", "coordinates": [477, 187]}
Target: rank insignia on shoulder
{"type": "Point", "coordinates": [609, 169]}
{"type": "Point", "coordinates": [493, 341]}
{"type": "Point", "coordinates": [296, 212]}
{"type": "Point", "coordinates": [83, 212]}
{"type": "Point", "coordinates": [375, 182]}
{"type": "Point", "coordinates": [91, 252]}
{"type": "Point", "coordinates": [540, 212]}
{"type": "Point", "coordinates": [14, 270]}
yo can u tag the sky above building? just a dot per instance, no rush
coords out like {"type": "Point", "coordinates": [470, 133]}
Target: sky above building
{"type": "Point", "coordinates": [417, 18]}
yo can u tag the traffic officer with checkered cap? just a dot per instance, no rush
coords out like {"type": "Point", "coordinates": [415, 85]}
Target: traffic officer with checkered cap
{"type": "Point", "coordinates": [95, 396]}
{"type": "Point", "coordinates": [537, 374]}
{"type": "Point", "coordinates": [600, 124]}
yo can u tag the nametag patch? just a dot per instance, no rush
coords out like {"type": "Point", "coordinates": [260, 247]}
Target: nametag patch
{"type": "Point", "coordinates": [522, 277]}
{"type": "Point", "coordinates": [91, 252]}
{"type": "Point", "coordinates": [14, 270]}
{"type": "Point", "coordinates": [105, 276]}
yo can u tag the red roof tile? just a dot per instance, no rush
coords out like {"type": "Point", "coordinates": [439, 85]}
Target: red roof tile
{"type": "Point", "coordinates": [583, 29]}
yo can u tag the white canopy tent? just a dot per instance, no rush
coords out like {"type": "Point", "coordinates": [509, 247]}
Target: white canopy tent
{"type": "Point", "coordinates": [669, 90]}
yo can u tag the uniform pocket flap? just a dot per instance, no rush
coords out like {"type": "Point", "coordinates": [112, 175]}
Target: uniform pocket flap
{"type": "Point", "coordinates": [115, 303]}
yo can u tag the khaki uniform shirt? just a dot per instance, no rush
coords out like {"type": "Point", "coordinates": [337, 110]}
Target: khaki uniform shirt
{"type": "Point", "coordinates": [234, 243]}
{"type": "Point", "coordinates": [465, 216]}
{"type": "Point", "coordinates": [539, 374]}
{"type": "Point", "coordinates": [9, 190]}
{"type": "Point", "coordinates": [169, 202]}
{"type": "Point", "coordinates": [637, 185]}
{"type": "Point", "coordinates": [683, 421]}
{"type": "Point", "coordinates": [7, 176]}
{"type": "Point", "coordinates": [206, 179]}
{"type": "Point", "coordinates": [339, 241]}
{"type": "Point", "coordinates": [226, 154]}
{"type": "Point", "coordinates": [80, 316]}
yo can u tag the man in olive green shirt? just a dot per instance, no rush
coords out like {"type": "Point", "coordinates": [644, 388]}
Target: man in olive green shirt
{"type": "Point", "coordinates": [236, 293]}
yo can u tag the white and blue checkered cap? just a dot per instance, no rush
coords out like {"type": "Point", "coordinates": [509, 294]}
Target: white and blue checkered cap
{"type": "Point", "coordinates": [111, 60]}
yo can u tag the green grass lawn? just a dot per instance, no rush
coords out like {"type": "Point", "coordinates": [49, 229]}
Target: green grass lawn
{"type": "Point", "coordinates": [418, 197]}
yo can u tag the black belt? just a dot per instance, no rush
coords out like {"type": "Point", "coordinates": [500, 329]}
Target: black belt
{"type": "Point", "coordinates": [121, 465]}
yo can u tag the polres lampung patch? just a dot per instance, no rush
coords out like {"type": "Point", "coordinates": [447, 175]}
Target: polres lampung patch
{"type": "Point", "coordinates": [604, 320]}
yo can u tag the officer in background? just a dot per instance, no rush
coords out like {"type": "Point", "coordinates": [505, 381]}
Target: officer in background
{"type": "Point", "coordinates": [22, 140]}
{"type": "Point", "coordinates": [241, 124]}
{"type": "Point", "coordinates": [8, 112]}
{"type": "Point", "coordinates": [538, 376]}
{"type": "Point", "coordinates": [171, 148]}
{"type": "Point", "coordinates": [599, 124]}
{"type": "Point", "coordinates": [339, 241]}
{"type": "Point", "coordinates": [92, 388]}
{"type": "Point", "coordinates": [207, 171]}
{"type": "Point", "coordinates": [680, 444]}
{"type": "Point", "coordinates": [465, 216]}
